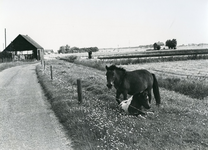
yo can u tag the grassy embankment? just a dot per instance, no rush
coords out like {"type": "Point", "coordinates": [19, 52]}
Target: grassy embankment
{"type": "Point", "coordinates": [180, 122]}
{"type": "Point", "coordinates": [6, 65]}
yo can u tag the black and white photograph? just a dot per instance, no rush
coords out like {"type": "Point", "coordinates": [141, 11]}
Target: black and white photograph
{"type": "Point", "coordinates": [103, 74]}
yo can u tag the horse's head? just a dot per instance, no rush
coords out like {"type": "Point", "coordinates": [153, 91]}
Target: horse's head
{"type": "Point", "coordinates": [110, 75]}
{"type": "Point", "coordinates": [142, 99]}
{"type": "Point", "coordinates": [114, 75]}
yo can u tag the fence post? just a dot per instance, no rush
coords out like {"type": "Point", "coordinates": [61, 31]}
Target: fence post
{"type": "Point", "coordinates": [51, 68]}
{"type": "Point", "coordinates": [44, 64]}
{"type": "Point", "coordinates": [79, 91]}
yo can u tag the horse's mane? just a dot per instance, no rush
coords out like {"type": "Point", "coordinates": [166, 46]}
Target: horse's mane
{"type": "Point", "coordinates": [114, 67]}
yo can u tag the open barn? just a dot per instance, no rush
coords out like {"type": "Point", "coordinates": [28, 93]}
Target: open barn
{"type": "Point", "coordinates": [23, 47]}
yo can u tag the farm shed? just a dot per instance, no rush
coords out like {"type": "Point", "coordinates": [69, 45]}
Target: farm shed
{"type": "Point", "coordinates": [24, 47]}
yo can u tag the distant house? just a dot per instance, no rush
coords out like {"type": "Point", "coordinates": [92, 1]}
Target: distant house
{"type": "Point", "coordinates": [25, 47]}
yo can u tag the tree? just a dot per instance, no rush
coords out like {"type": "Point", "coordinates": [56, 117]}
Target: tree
{"type": "Point", "coordinates": [62, 50]}
{"type": "Point", "coordinates": [74, 49]}
{"type": "Point", "coordinates": [89, 49]}
{"type": "Point", "coordinates": [168, 43]}
{"type": "Point", "coordinates": [160, 43]}
{"type": "Point", "coordinates": [67, 48]}
{"type": "Point", "coordinates": [171, 43]}
{"type": "Point", "coordinates": [156, 46]}
{"type": "Point", "coordinates": [174, 43]}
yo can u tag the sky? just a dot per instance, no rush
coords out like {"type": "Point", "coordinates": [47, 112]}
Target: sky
{"type": "Point", "coordinates": [104, 23]}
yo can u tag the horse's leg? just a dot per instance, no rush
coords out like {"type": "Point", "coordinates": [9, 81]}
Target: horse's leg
{"type": "Point", "coordinates": [118, 96]}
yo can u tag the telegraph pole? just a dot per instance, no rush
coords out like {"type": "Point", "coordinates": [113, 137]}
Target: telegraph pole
{"type": "Point", "coordinates": [5, 39]}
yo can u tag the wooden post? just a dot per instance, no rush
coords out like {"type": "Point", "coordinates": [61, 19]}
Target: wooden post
{"type": "Point", "coordinates": [44, 64]}
{"type": "Point", "coordinates": [79, 91]}
{"type": "Point", "coordinates": [51, 68]}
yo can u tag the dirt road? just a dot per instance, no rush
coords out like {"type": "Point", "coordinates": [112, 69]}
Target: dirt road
{"type": "Point", "coordinates": [26, 120]}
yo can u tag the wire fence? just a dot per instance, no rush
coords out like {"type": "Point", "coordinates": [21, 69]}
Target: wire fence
{"type": "Point", "coordinates": [73, 86]}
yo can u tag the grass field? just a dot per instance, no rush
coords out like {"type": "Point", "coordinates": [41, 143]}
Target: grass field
{"type": "Point", "coordinates": [180, 122]}
{"type": "Point", "coordinates": [196, 69]}
{"type": "Point", "coordinates": [118, 51]}
{"type": "Point", "coordinates": [187, 77]}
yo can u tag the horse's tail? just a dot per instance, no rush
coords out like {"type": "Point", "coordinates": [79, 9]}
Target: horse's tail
{"type": "Point", "coordinates": [156, 90]}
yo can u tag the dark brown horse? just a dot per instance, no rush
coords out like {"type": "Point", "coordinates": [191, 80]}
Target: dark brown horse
{"type": "Point", "coordinates": [132, 82]}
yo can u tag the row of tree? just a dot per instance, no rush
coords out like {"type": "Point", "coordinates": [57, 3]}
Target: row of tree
{"type": "Point", "coordinates": [171, 44]}
{"type": "Point", "coordinates": [67, 49]}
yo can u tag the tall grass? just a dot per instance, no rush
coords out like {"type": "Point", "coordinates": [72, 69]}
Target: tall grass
{"type": "Point", "coordinates": [193, 88]}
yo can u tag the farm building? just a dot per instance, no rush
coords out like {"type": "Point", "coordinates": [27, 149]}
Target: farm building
{"type": "Point", "coordinates": [24, 47]}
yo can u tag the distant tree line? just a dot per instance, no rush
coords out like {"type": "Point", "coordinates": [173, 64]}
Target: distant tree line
{"type": "Point", "coordinates": [171, 44]}
{"type": "Point", "coordinates": [67, 49]}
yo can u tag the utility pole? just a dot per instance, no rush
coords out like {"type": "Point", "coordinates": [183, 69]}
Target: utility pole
{"type": "Point", "coordinates": [5, 38]}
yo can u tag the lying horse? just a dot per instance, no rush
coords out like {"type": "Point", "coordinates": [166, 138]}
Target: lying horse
{"type": "Point", "coordinates": [131, 82]}
{"type": "Point", "coordinates": [133, 106]}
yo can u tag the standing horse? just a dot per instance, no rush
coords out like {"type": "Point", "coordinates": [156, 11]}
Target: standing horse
{"type": "Point", "coordinates": [131, 82]}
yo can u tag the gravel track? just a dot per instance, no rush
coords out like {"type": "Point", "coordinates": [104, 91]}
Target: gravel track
{"type": "Point", "coordinates": [27, 122]}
